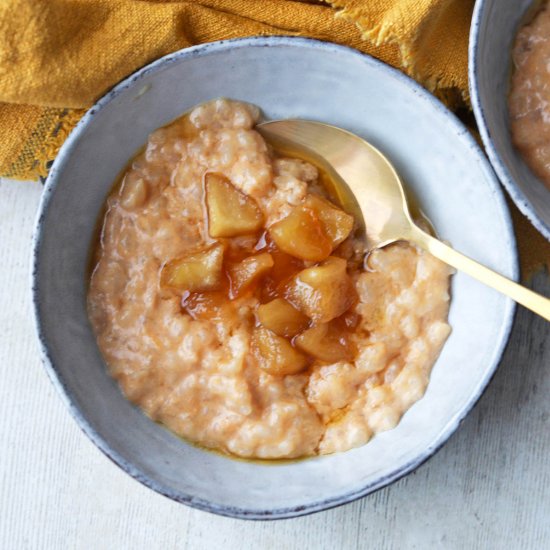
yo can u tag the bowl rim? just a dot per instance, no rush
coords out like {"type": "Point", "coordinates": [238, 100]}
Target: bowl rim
{"type": "Point", "coordinates": [499, 165]}
{"type": "Point", "coordinates": [64, 391]}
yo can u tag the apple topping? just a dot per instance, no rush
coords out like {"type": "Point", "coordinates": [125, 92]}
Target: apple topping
{"type": "Point", "coordinates": [230, 211]}
{"type": "Point", "coordinates": [324, 343]}
{"type": "Point", "coordinates": [336, 223]}
{"type": "Point", "coordinates": [301, 235]}
{"type": "Point", "coordinates": [243, 274]}
{"type": "Point", "coordinates": [282, 318]}
{"type": "Point", "coordinates": [276, 354]}
{"type": "Point", "coordinates": [322, 292]}
{"type": "Point", "coordinates": [197, 271]}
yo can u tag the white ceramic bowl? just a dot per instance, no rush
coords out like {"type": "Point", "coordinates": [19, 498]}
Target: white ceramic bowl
{"type": "Point", "coordinates": [493, 31]}
{"type": "Point", "coordinates": [287, 77]}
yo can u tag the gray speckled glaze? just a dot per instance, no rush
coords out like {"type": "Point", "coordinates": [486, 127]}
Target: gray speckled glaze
{"type": "Point", "coordinates": [494, 27]}
{"type": "Point", "coordinates": [287, 77]}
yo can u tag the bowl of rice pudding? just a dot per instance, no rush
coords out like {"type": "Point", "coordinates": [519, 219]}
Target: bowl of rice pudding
{"type": "Point", "coordinates": [208, 310]}
{"type": "Point", "coordinates": [509, 48]}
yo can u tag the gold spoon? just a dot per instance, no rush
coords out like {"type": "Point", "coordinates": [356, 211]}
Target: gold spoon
{"type": "Point", "coordinates": [368, 185]}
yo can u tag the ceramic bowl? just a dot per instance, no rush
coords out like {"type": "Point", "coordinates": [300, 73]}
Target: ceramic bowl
{"type": "Point", "coordinates": [286, 77]}
{"type": "Point", "coordinates": [494, 27]}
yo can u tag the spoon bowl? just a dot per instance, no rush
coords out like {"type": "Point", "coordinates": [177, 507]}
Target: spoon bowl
{"type": "Point", "coordinates": [368, 185]}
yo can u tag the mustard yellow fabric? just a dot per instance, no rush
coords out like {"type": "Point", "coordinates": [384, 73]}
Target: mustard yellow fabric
{"type": "Point", "coordinates": [58, 56]}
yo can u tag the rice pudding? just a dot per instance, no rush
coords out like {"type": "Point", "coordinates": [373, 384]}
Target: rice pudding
{"type": "Point", "coordinates": [233, 302]}
{"type": "Point", "coordinates": [529, 104]}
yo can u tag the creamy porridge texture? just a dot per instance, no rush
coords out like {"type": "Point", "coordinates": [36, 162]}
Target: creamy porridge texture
{"type": "Point", "coordinates": [231, 302]}
{"type": "Point", "coordinates": [529, 101]}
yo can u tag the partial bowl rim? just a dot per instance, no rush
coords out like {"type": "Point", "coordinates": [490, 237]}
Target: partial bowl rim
{"type": "Point", "coordinates": [59, 383]}
{"type": "Point", "coordinates": [513, 189]}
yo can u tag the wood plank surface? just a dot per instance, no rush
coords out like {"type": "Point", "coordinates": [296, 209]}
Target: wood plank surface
{"type": "Point", "coordinates": [489, 487]}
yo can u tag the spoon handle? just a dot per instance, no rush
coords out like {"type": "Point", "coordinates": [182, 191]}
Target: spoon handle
{"type": "Point", "coordinates": [527, 298]}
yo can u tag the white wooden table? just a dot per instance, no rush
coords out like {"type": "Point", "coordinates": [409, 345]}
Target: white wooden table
{"type": "Point", "coordinates": [489, 487]}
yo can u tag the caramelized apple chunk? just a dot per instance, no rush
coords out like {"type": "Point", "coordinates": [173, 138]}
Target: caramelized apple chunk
{"type": "Point", "coordinates": [322, 292]}
{"type": "Point", "coordinates": [248, 271]}
{"type": "Point", "coordinates": [325, 344]}
{"type": "Point", "coordinates": [230, 211]}
{"type": "Point", "coordinates": [282, 318]}
{"type": "Point", "coordinates": [197, 271]}
{"type": "Point", "coordinates": [336, 223]}
{"type": "Point", "coordinates": [301, 235]}
{"type": "Point", "coordinates": [276, 355]}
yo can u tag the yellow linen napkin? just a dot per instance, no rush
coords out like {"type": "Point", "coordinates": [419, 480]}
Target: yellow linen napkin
{"type": "Point", "coordinates": [59, 56]}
